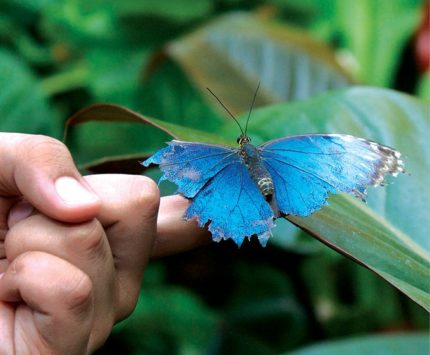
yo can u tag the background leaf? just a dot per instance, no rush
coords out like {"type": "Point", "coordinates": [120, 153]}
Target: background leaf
{"type": "Point", "coordinates": [170, 318]}
{"type": "Point", "coordinates": [359, 233]}
{"type": "Point", "coordinates": [129, 126]}
{"type": "Point", "coordinates": [375, 19]}
{"type": "Point", "coordinates": [23, 106]}
{"type": "Point", "coordinates": [398, 344]}
{"type": "Point", "coordinates": [246, 49]}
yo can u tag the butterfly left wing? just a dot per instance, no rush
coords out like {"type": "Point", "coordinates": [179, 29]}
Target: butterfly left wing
{"type": "Point", "coordinates": [306, 168]}
{"type": "Point", "coordinates": [191, 165]}
{"type": "Point", "coordinates": [221, 190]}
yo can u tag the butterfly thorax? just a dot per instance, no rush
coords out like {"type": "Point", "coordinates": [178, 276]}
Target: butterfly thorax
{"type": "Point", "coordinates": [257, 170]}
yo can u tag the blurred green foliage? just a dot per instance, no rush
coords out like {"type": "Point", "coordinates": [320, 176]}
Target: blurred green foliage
{"type": "Point", "coordinates": [58, 56]}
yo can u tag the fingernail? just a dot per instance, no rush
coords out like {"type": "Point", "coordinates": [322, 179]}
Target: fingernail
{"type": "Point", "coordinates": [73, 193]}
{"type": "Point", "coordinates": [19, 212]}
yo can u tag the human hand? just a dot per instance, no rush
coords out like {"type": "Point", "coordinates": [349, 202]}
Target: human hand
{"type": "Point", "coordinates": [66, 284]}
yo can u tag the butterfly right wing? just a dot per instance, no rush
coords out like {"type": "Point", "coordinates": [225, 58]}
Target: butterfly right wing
{"type": "Point", "coordinates": [307, 168]}
{"type": "Point", "coordinates": [234, 206]}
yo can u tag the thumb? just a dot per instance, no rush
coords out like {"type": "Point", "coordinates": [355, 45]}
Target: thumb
{"type": "Point", "coordinates": [41, 170]}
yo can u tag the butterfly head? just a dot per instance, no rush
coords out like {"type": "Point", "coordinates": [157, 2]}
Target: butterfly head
{"type": "Point", "coordinates": [243, 139]}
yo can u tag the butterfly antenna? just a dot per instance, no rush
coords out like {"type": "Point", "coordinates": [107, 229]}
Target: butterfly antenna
{"type": "Point", "coordinates": [225, 108]}
{"type": "Point", "coordinates": [252, 105]}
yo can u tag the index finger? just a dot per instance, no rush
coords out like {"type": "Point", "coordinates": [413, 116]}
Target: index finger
{"type": "Point", "coordinates": [174, 234]}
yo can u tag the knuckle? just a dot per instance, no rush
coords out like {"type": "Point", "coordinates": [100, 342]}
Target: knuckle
{"type": "Point", "coordinates": [145, 195]}
{"type": "Point", "coordinates": [128, 298]}
{"type": "Point", "coordinates": [88, 237]}
{"type": "Point", "coordinates": [25, 226]}
{"type": "Point", "coordinates": [127, 304]}
{"type": "Point", "coordinates": [23, 262]}
{"type": "Point", "coordinates": [79, 293]}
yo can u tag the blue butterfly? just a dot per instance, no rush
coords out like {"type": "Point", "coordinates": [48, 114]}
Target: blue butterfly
{"type": "Point", "coordinates": [239, 192]}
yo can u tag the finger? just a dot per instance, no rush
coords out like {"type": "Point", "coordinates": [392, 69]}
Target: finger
{"type": "Point", "coordinates": [84, 245]}
{"type": "Point", "coordinates": [7, 316]}
{"type": "Point", "coordinates": [3, 266]}
{"type": "Point", "coordinates": [18, 212]}
{"type": "Point", "coordinates": [129, 214]}
{"type": "Point", "coordinates": [42, 170]}
{"type": "Point", "coordinates": [5, 206]}
{"type": "Point", "coordinates": [61, 301]}
{"type": "Point", "coordinates": [174, 234]}
{"type": "Point", "coordinates": [8, 218]}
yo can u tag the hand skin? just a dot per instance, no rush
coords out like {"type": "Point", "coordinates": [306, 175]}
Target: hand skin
{"type": "Point", "coordinates": [72, 265]}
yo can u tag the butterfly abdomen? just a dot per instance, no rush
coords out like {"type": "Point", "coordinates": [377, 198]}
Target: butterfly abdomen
{"type": "Point", "coordinates": [257, 170]}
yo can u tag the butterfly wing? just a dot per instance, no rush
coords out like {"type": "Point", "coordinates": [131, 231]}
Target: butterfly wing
{"type": "Point", "coordinates": [234, 205]}
{"type": "Point", "coordinates": [220, 187]}
{"type": "Point", "coordinates": [191, 165]}
{"type": "Point", "coordinates": [306, 168]}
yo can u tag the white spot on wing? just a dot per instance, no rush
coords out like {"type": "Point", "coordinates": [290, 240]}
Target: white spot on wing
{"type": "Point", "coordinates": [191, 174]}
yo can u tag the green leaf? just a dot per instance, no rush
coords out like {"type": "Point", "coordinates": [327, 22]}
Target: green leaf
{"type": "Point", "coordinates": [114, 73]}
{"type": "Point", "coordinates": [168, 94]}
{"type": "Point", "coordinates": [340, 315]}
{"type": "Point", "coordinates": [398, 344]}
{"type": "Point", "coordinates": [374, 40]}
{"type": "Point", "coordinates": [239, 50]}
{"type": "Point", "coordinates": [351, 228]}
{"type": "Point", "coordinates": [424, 87]}
{"type": "Point", "coordinates": [179, 10]}
{"type": "Point", "coordinates": [23, 105]}
{"type": "Point", "coordinates": [390, 237]}
{"type": "Point", "coordinates": [104, 24]}
{"type": "Point", "coordinates": [251, 308]}
{"type": "Point", "coordinates": [33, 5]}
{"type": "Point", "coordinates": [116, 113]}
{"type": "Point", "coordinates": [385, 116]}
{"type": "Point", "coordinates": [96, 136]}
{"type": "Point", "coordinates": [170, 318]}
{"type": "Point", "coordinates": [80, 22]}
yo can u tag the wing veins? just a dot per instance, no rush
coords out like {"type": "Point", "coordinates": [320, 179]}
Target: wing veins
{"type": "Point", "coordinates": [253, 202]}
{"type": "Point", "coordinates": [213, 166]}
{"type": "Point", "coordinates": [240, 192]}
{"type": "Point", "coordinates": [250, 196]}
{"type": "Point", "coordinates": [356, 166]}
{"type": "Point", "coordinates": [227, 153]}
{"type": "Point", "coordinates": [273, 150]}
{"type": "Point", "coordinates": [303, 171]}
{"type": "Point", "coordinates": [213, 176]}
{"type": "Point", "coordinates": [286, 186]}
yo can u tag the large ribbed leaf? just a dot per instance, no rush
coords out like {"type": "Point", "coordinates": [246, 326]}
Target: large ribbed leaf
{"type": "Point", "coordinates": [238, 50]}
{"type": "Point", "coordinates": [387, 117]}
{"type": "Point", "coordinates": [390, 234]}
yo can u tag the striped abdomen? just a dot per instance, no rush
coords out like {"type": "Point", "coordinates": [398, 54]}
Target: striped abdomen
{"type": "Point", "coordinates": [257, 170]}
